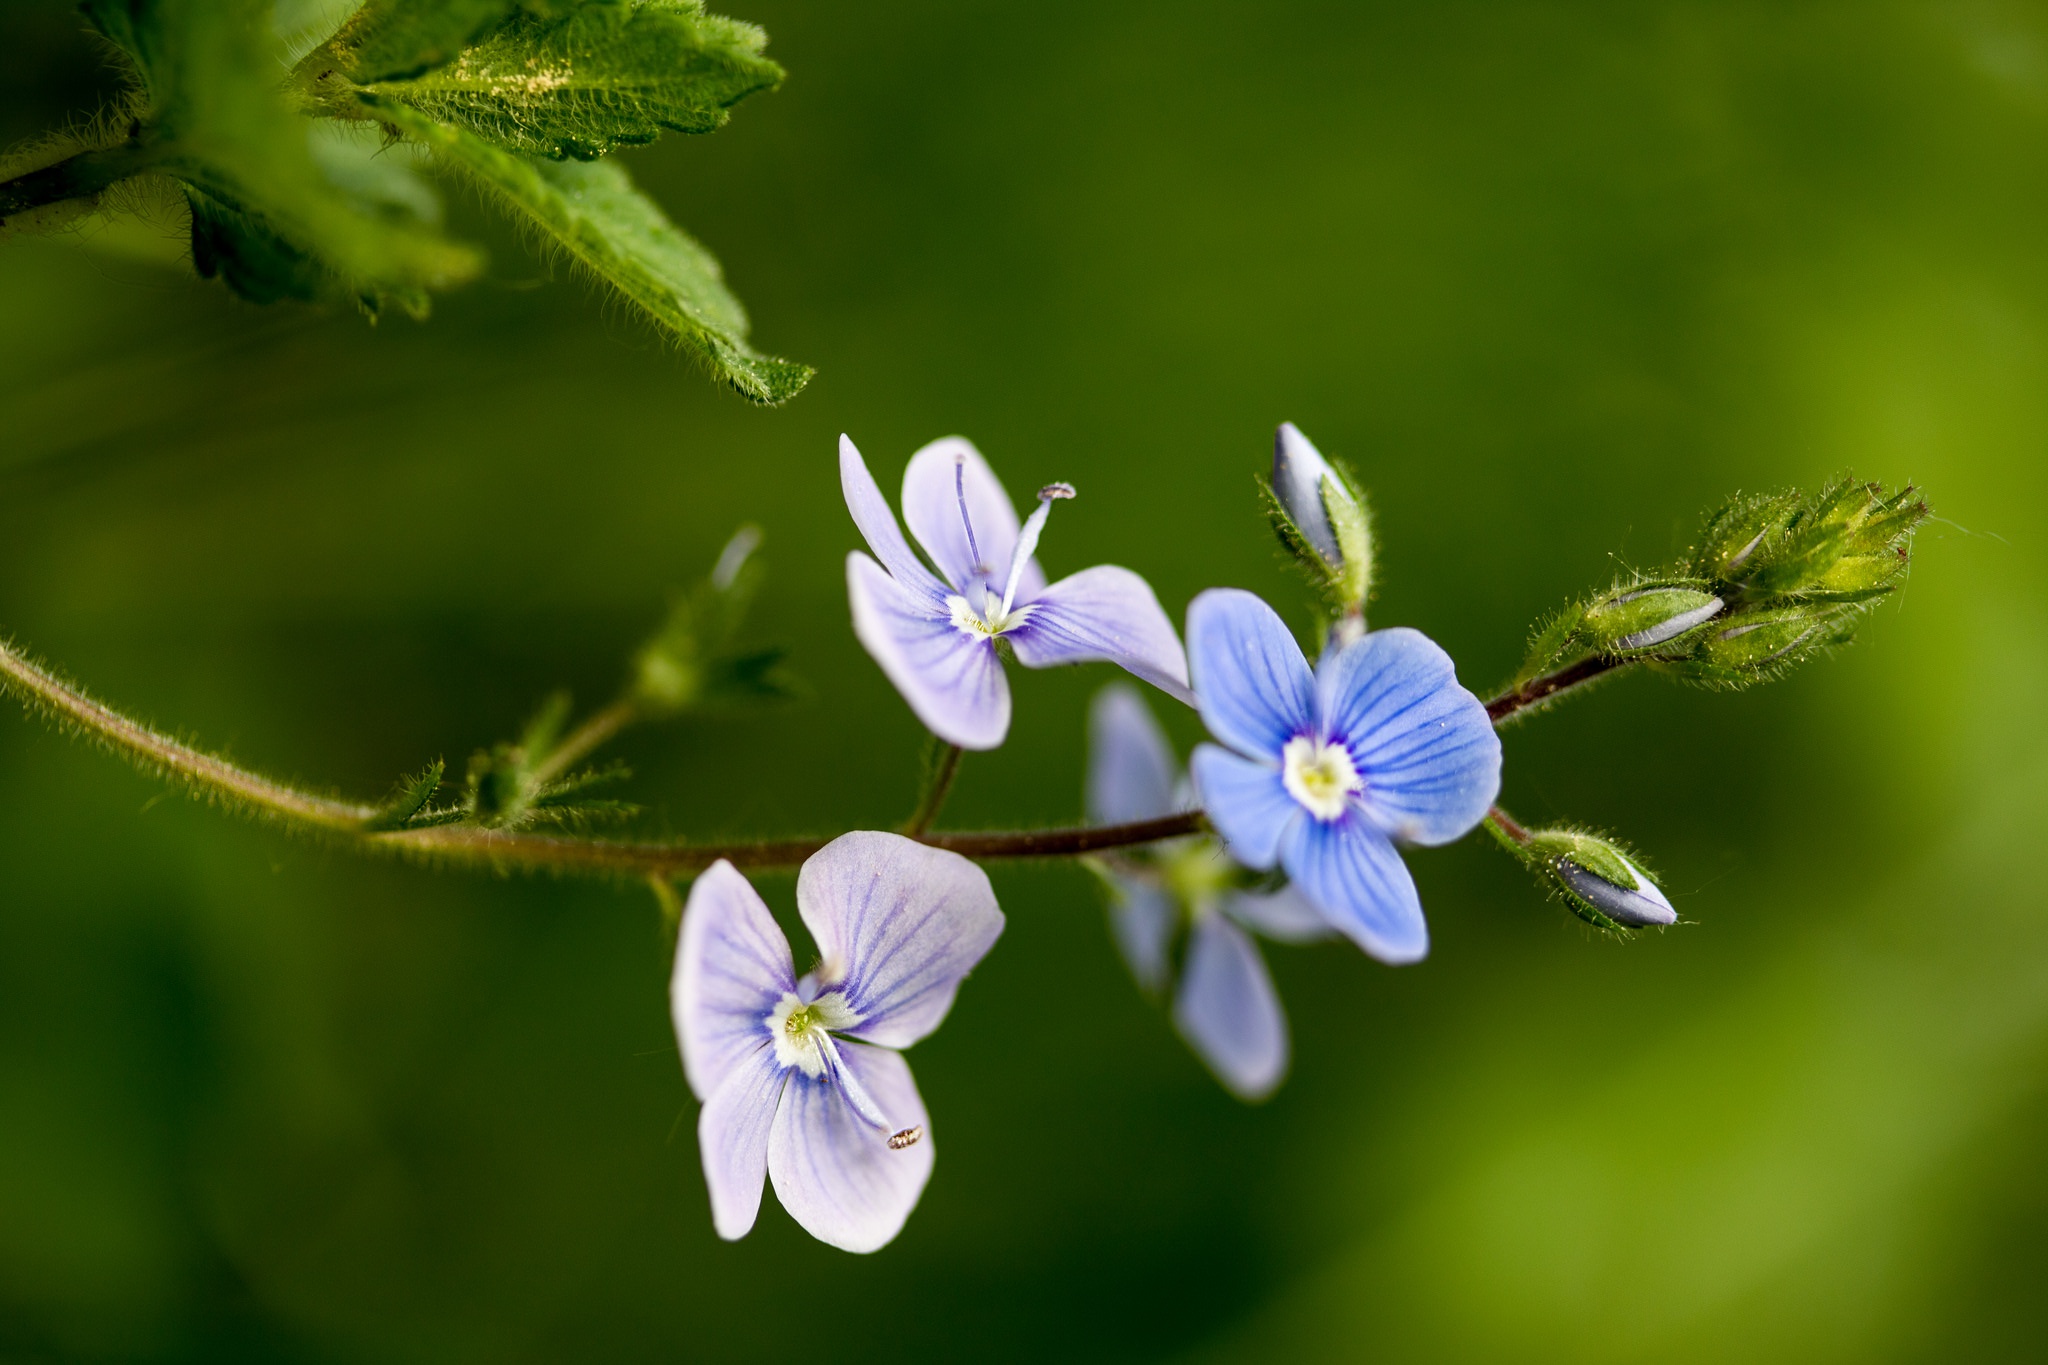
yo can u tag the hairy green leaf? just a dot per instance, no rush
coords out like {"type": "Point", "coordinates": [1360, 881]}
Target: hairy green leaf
{"type": "Point", "coordinates": [395, 39]}
{"type": "Point", "coordinates": [277, 211]}
{"type": "Point", "coordinates": [601, 76]}
{"type": "Point", "coordinates": [592, 211]}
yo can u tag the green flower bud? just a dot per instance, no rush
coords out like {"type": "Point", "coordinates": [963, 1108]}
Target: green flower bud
{"type": "Point", "coordinates": [1734, 534]}
{"type": "Point", "coordinates": [1600, 883]}
{"type": "Point", "coordinates": [1646, 616]}
{"type": "Point", "coordinates": [1850, 542]}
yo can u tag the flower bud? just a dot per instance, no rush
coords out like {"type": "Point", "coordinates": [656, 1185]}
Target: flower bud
{"type": "Point", "coordinates": [1735, 533]}
{"type": "Point", "coordinates": [1849, 543]}
{"type": "Point", "coordinates": [1760, 640]}
{"type": "Point", "coordinates": [1321, 518]}
{"type": "Point", "coordinates": [1598, 881]}
{"type": "Point", "coordinates": [1646, 616]}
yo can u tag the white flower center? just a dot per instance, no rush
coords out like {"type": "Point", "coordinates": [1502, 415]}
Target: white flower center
{"type": "Point", "coordinates": [796, 1029]}
{"type": "Point", "coordinates": [1320, 775]}
{"type": "Point", "coordinates": [984, 625]}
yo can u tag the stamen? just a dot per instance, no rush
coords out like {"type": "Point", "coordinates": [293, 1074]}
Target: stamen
{"type": "Point", "coordinates": [960, 493]}
{"type": "Point", "coordinates": [909, 1137]}
{"type": "Point", "coordinates": [1027, 540]}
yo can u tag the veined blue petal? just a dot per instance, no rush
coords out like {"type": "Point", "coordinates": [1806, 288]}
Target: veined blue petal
{"type": "Point", "coordinates": [1285, 916]}
{"type": "Point", "coordinates": [1246, 802]}
{"type": "Point", "coordinates": [933, 488]}
{"type": "Point", "coordinates": [878, 525]}
{"type": "Point", "coordinates": [732, 966]}
{"type": "Point", "coordinates": [1356, 877]}
{"type": "Point", "coordinates": [897, 923]}
{"type": "Point", "coordinates": [1130, 765]}
{"type": "Point", "coordinates": [952, 680]}
{"type": "Point", "coordinates": [732, 1139]}
{"type": "Point", "coordinates": [1141, 919]}
{"type": "Point", "coordinates": [1228, 1011]}
{"type": "Point", "coordinates": [1105, 614]}
{"type": "Point", "coordinates": [837, 1174]}
{"type": "Point", "coordinates": [1252, 684]}
{"type": "Point", "coordinates": [1423, 744]}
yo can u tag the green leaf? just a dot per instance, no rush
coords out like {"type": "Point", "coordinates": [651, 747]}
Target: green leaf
{"type": "Point", "coordinates": [602, 76]}
{"type": "Point", "coordinates": [270, 214]}
{"type": "Point", "coordinates": [593, 212]}
{"type": "Point", "coordinates": [410, 800]}
{"type": "Point", "coordinates": [396, 39]}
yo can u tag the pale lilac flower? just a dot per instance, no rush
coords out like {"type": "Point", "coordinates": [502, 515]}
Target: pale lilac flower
{"type": "Point", "coordinates": [936, 635]}
{"type": "Point", "coordinates": [800, 1075]}
{"type": "Point", "coordinates": [1332, 767]}
{"type": "Point", "coordinates": [1224, 1003]}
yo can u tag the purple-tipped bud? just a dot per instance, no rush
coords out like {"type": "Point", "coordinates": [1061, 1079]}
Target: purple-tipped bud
{"type": "Point", "coordinates": [1299, 472]}
{"type": "Point", "coordinates": [1599, 882]}
{"type": "Point", "coordinates": [1637, 907]}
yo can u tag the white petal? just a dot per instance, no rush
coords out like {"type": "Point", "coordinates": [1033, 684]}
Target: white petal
{"type": "Point", "coordinates": [952, 680]}
{"type": "Point", "coordinates": [1106, 614]}
{"type": "Point", "coordinates": [1131, 771]}
{"type": "Point", "coordinates": [898, 924]}
{"type": "Point", "coordinates": [837, 1174]}
{"type": "Point", "coordinates": [732, 1139]}
{"type": "Point", "coordinates": [1141, 918]}
{"type": "Point", "coordinates": [1228, 1011]}
{"type": "Point", "coordinates": [878, 524]}
{"type": "Point", "coordinates": [732, 965]}
{"type": "Point", "coordinates": [933, 485]}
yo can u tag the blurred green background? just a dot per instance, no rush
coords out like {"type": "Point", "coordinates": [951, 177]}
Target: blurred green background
{"type": "Point", "coordinates": [1554, 277]}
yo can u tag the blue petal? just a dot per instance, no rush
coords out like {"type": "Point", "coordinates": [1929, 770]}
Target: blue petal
{"type": "Point", "coordinates": [1423, 744]}
{"type": "Point", "coordinates": [732, 966]}
{"type": "Point", "coordinates": [932, 487]}
{"type": "Point", "coordinates": [1355, 876]}
{"type": "Point", "coordinates": [732, 1139]}
{"type": "Point", "coordinates": [952, 680]}
{"type": "Point", "coordinates": [878, 525]}
{"type": "Point", "coordinates": [1285, 916]}
{"type": "Point", "coordinates": [1130, 766]}
{"type": "Point", "coordinates": [897, 923]}
{"type": "Point", "coordinates": [835, 1172]}
{"type": "Point", "coordinates": [1252, 684]}
{"type": "Point", "coordinates": [1141, 919]}
{"type": "Point", "coordinates": [1104, 614]}
{"type": "Point", "coordinates": [1245, 802]}
{"type": "Point", "coordinates": [1228, 1011]}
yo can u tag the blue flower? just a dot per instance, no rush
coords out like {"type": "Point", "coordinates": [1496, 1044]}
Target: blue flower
{"type": "Point", "coordinates": [935, 637]}
{"type": "Point", "coordinates": [1326, 771]}
{"type": "Point", "coordinates": [1224, 1004]}
{"type": "Point", "coordinates": [801, 1077]}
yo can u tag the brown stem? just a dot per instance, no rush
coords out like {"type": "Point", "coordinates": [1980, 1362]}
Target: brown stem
{"type": "Point", "coordinates": [1539, 690]}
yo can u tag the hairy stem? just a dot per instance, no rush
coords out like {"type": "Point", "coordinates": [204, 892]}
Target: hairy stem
{"type": "Point", "coordinates": [943, 773]}
{"type": "Point", "coordinates": [590, 735]}
{"type": "Point", "coordinates": [76, 177]}
{"type": "Point", "coordinates": [1505, 828]}
{"type": "Point", "coordinates": [506, 850]}
{"type": "Point", "coordinates": [1539, 690]}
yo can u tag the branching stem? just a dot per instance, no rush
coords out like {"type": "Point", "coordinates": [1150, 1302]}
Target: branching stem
{"type": "Point", "coordinates": [506, 850]}
{"type": "Point", "coordinates": [592, 734]}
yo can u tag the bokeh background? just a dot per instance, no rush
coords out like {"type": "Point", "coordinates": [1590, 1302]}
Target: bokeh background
{"type": "Point", "coordinates": [1554, 277]}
